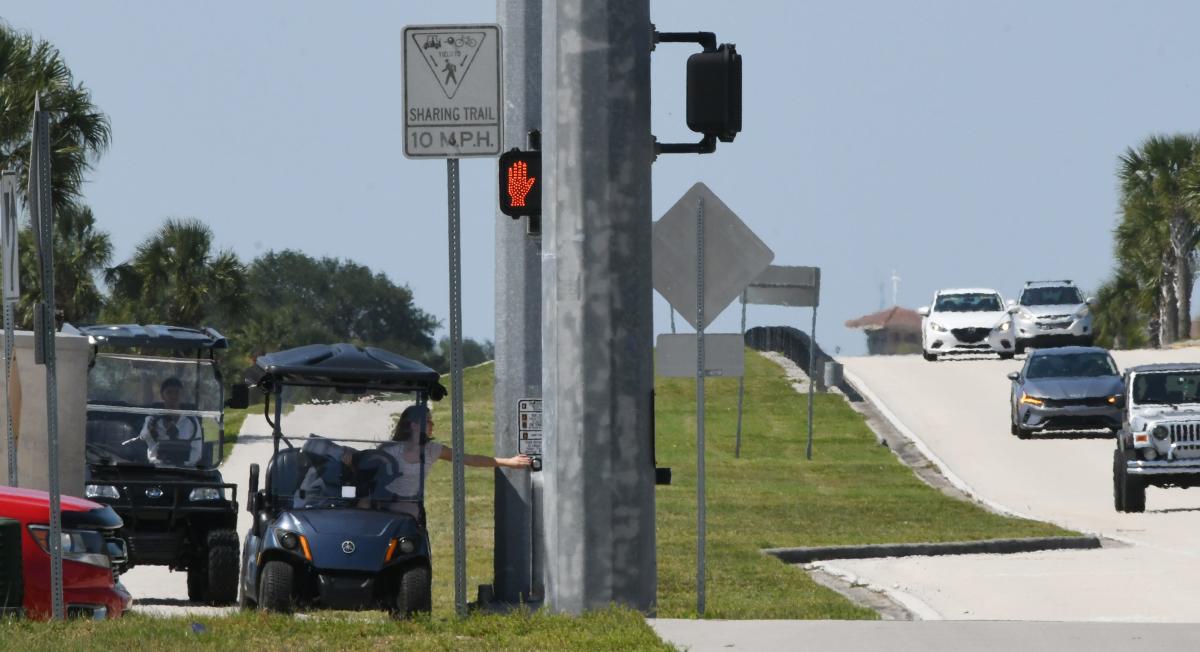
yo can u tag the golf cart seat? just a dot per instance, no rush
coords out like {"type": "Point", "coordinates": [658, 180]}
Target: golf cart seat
{"type": "Point", "coordinates": [285, 472]}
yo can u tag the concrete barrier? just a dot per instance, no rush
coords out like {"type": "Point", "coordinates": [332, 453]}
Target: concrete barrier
{"type": "Point", "coordinates": [32, 467]}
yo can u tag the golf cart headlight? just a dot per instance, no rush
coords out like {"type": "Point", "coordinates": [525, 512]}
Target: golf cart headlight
{"type": "Point", "coordinates": [1159, 432]}
{"type": "Point", "coordinates": [289, 540]}
{"type": "Point", "coordinates": [1030, 400]}
{"type": "Point", "coordinates": [101, 491]}
{"type": "Point", "coordinates": [1083, 312]}
{"type": "Point", "coordinates": [206, 493]}
{"type": "Point", "coordinates": [937, 327]}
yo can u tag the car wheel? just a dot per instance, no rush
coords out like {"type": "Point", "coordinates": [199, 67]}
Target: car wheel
{"type": "Point", "coordinates": [1007, 355]}
{"type": "Point", "coordinates": [930, 357]}
{"type": "Point", "coordinates": [1023, 433]}
{"type": "Point", "coordinates": [415, 592]}
{"type": "Point", "coordinates": [1129, 493]}
{"type": "Point", "coordinates": [1020, 348]}
{"type": "Point", "coordinates": [276, 587]}
{"type": "Point", "coordinates": [222, 567]}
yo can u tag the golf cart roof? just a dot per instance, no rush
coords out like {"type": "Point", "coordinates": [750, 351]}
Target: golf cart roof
{"type": "Point", "coordinates": [344, 366]}
{"type": "Point", "coordinates": [151, 336]}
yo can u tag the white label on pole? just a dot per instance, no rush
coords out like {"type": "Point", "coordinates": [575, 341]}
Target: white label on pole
{"type": "Point", "coordinates": [9, 237]}
{"type": "Point", "coordinates": [529, 425]}
{"type": "Point", "coordinates": [452, 100]}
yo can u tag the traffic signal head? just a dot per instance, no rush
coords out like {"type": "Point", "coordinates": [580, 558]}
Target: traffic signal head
{"type": "Point", "coordinates": [521, 183]}
{"type": "Point", "coordinates": [714, 92]}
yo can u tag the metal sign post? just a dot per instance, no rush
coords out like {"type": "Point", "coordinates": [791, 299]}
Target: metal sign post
{"type": "Point", "coordinates": [12, 291]}
{"type": "Point", "coordinates": [701, 516]}
{"type": "Point", "coordinates": [42, 212]}
{"type": "Point", "coordinates": [737, 447]}
{"type": "Point", "coordinates": [452, 109]}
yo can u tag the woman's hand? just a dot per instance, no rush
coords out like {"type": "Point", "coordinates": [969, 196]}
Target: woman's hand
{"type": "Point", "coordinates": [516, 462]}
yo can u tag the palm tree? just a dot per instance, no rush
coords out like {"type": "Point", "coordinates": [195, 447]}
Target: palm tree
{"type": "Point", "coordinates": [175, 277]}
{"type": "Point", "coordinates": [1153, 184]}
{"type": "Point", "coordinates": [1120, 313]}
{"type": "Point", "coordinates": [79, 132]}
{"type": "Point", "coordinates": [80, 253]}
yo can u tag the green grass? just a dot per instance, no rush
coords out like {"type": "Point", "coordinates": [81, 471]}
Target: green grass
{"type": "Point", "coordinates": [614, 629]}
{"type": "Point", "coordinates": [852, 492]}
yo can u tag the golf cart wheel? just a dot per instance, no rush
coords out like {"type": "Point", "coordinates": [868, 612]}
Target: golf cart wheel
{"type": "Point", "coordinates": [1129, 493]}
{"type": "Point", "coordinates": [276, 588]}
{"type": "Point", "coordinates": [222, 567]}
{"type": "Point", "coordinates": [414, 593]}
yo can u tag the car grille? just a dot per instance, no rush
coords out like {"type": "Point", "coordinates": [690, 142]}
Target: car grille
{"type": "Point", "coordinates": [1184, 433]}
{"type": "Point", "coordinates": [1053, 317]}
{"type": "Point", "coordinates": [970, 335]}
{"type": "Point", "coordinates": [1053, 325]}
{"type": "Point", "coordinates": [1091, 401]}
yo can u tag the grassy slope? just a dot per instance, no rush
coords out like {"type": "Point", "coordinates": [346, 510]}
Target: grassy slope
{"type": "Point", "coordinates": [853, 491]}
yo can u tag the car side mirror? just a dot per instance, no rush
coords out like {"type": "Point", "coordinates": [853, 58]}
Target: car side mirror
{"type": "Point", "coordinates": [252, 500]}
{"type": "Point", "coordinates": [1010, 303]}
{"type": "Point", "coordinates": [1091, 301]}
{"type": "Point", "coordinates": [239, 397]}
{"type": "Point", "coordinates": [1012, 310]}
{"type": "Point", "coordinates": [923, 311]}
{"type": "Point", "coordinates": [1014, 376]}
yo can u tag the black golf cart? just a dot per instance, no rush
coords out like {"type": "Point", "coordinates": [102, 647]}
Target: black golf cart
{"type": "Point", "coordinates": [155, 434]}
{"type": "Point", "coordinates": [339, 526]}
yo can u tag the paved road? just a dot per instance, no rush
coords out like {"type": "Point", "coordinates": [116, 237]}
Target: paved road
{"type": "Point", "coordinates": [958, 410]}
{"type": "Point", "coordinates": [159, 591]}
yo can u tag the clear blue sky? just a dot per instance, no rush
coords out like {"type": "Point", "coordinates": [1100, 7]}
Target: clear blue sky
{"type": "Point", "coordinates": [959, 143]}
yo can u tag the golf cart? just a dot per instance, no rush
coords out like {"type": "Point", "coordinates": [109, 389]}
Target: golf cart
{"type": "Point", "coordinates": [155, 433]}
{"type": "Point", "coordinates": [338, 526]}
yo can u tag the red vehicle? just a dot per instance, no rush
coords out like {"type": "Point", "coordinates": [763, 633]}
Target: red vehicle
{"type": "Point", "coordinates": [92, 555]}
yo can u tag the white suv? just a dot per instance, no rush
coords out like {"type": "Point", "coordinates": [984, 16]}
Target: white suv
{"type": "Point", "coordinates": [967, 321]}
{"type": "Point", "coordinates": [1050, 313]}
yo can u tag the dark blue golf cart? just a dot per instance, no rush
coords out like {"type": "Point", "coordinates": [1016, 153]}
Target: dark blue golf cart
{"type": "Point", "coordinates": [339, 522]}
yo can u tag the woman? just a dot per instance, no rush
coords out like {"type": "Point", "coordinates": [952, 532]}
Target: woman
{"type": "Point", "coordinates": [405, 447]}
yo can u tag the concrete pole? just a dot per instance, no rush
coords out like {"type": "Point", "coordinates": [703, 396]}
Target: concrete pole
{"type": "Point", "coordinates": [518, 308]}
{"type": "Point", "coordinates": [597, 333]}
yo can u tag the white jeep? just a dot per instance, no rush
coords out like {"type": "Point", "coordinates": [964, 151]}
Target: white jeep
{"type": "Point", "coordinates": [1159, 441]}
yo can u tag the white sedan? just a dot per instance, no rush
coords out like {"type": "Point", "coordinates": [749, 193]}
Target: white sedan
{"type": "Point", "coordinates": [967, 321]}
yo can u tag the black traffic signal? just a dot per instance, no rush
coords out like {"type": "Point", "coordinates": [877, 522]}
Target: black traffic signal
{"type": "Point", "coordinates": [714, 92]}
{"type": "Point", "coordinates": [521, 183]}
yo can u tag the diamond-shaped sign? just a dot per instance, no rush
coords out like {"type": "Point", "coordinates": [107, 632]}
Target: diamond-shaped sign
{"type": "Point", "coordinates": [733, 255]}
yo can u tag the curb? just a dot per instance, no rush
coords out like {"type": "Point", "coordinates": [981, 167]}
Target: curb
{"type": "Point", "coordinates": [987, 546]}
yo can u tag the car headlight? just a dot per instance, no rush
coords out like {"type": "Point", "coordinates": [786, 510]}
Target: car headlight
{"type": "Point", "coordinates": [206, 493]}
{"type": "Point", "coordinates": [85, 546]}
{"type": "Point", "coordinates": [1004, 326]}
{"type": "Point", "coordinates": [1083, 312]}
{"type": "Point", "coordinates": [937, 327]}
{"type": "Point", "coordinates": [1159, 432]}
{"type": "Point", "coordinates": [1031, 400]}
{"type": "Point", "coordinates": [1114, 399]}
{"type": "Point", "coordinates": [101, 491]}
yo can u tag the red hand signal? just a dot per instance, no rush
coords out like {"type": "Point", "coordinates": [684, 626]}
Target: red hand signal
{"type": "Point", "coordinates": [519, 183]}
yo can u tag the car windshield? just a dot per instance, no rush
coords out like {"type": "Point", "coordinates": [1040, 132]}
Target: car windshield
{"type": "Point", "coordinates": [1167, 387]}
{"type": "Point", "coordinates": [967, 302]}
{"type": "Point", "coordinates": [153, 411]}
{"type": "Point", "coordinates": [327, 474]}
{"type": "Point", "coordinates": [1071, 365]}
{"type": "Point", "coordinates": [1051, 296]}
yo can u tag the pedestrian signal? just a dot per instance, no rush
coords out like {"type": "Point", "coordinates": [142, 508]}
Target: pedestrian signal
{"type": "Point", "coordinates": [521, 183]}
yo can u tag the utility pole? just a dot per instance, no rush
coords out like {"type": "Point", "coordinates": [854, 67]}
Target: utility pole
{"type": "Point", "coordinates": [518, 312]}
{"type": "Point", "coordinates": [597, 336]}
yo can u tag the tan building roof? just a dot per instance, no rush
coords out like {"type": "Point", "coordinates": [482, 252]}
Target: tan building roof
{"type": "Point", "coordinates": [896, 318]}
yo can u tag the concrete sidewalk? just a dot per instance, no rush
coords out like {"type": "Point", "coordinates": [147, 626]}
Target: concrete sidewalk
{"type": "Point", "coordinates": [936, 636]}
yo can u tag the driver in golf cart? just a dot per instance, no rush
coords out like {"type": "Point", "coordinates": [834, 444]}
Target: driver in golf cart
{"type": "Point", "coordinates": [172, 428]}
